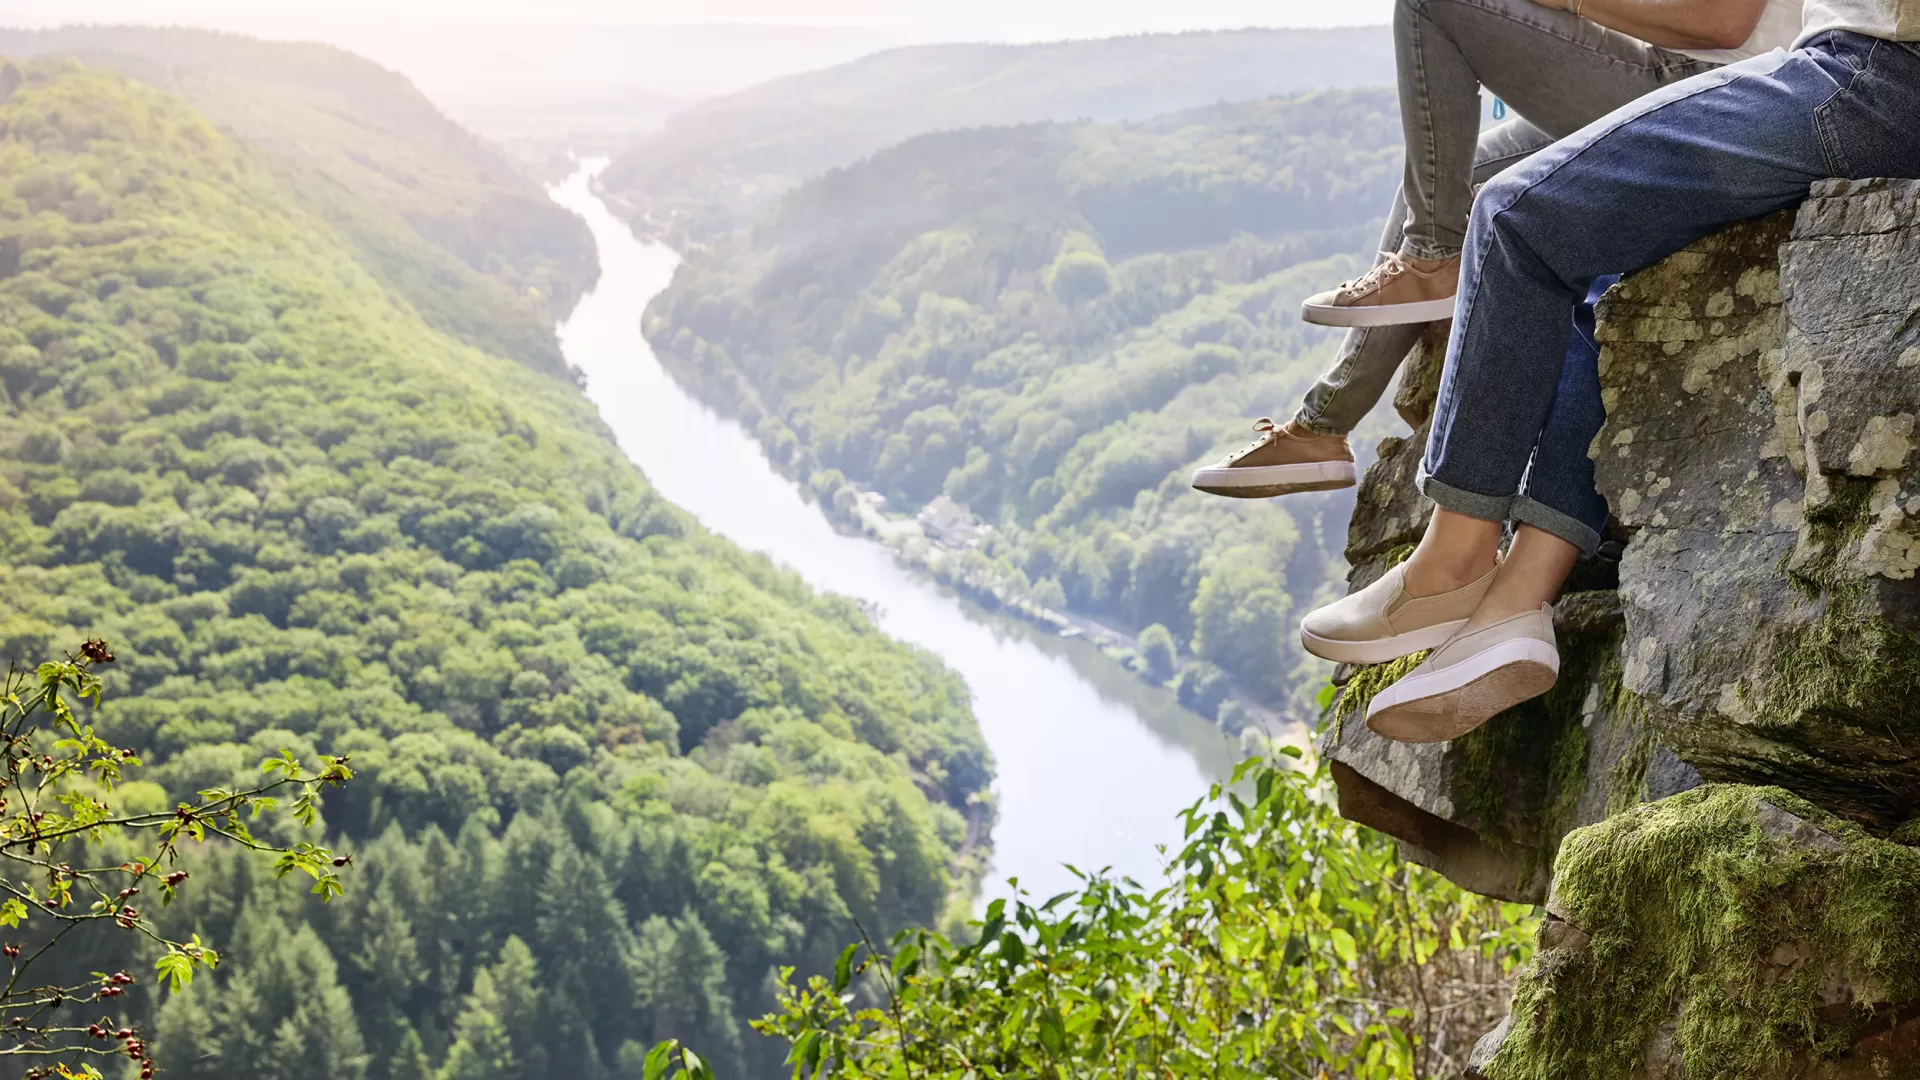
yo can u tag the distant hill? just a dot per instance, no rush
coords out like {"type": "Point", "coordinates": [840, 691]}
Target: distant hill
{"type": "Point", "coordinates": [718, 163]}
{"type": "Point", "coordinates": [438, 215]}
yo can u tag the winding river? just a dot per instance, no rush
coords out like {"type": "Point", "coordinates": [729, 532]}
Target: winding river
{"type": "Point", "coordinates": [1091, 765]}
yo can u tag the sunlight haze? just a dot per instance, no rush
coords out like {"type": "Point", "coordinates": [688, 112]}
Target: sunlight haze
{"type": "Point", "coordinates": [1007, 19]}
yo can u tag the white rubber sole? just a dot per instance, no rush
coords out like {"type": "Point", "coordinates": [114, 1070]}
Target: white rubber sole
{"type": "Point", "coordinates": [1266, 481]}
{"type": "Point", "coordinates": [1422, 311]}
{"type": "Point", "coordinates": [1436, 706]}
{"type": "Point", "coordinates": [1380, 650]}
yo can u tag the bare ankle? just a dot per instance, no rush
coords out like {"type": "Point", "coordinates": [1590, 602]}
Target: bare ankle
{"type": "Point", "coordinates": [1431, 572]}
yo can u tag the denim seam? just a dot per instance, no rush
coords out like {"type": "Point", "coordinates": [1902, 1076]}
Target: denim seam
{"type": "Point", "coordinates": [1545, 518]}
{"type": "Point", "coordinates": [1461, 501]}
{"type": "Point", "coordinates": [1602, 54]}
{"type": "Point", "coordinates": [1430, 162]}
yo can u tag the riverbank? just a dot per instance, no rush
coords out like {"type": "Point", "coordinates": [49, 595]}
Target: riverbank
{"type": "Point", "coordinates": [941, 549]}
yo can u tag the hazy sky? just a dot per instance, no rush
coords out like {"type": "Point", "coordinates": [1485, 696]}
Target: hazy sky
{"type": "Point", "coordinates": [1009, 19]}
{"type": "Point", "coordinates": [645, 58]}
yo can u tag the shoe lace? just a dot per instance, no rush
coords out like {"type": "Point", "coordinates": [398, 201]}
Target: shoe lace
{"type": "Point", "coordinates": [1390, 266]}
{"type": "Point", "coordinates": [1268, 431]}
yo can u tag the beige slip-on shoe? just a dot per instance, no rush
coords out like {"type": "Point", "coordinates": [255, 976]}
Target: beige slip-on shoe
{"type": "Point", "coordinates": [1285, 458]}
{"type": "Point", "coordinates": [1381, 622]}
{"type": "Point", "coordinates": [1470, 679]}
{"type": "Point", "coordinates": [1397, 290]}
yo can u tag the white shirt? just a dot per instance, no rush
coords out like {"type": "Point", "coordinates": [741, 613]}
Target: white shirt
{"type": "Point", "coordinates": [1781, 24]}
{"type": "Point", "coordinates": [1888, 20]}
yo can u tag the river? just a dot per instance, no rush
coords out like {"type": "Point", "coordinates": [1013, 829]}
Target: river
{"type": "Point", "coordinates": [1091, 765]}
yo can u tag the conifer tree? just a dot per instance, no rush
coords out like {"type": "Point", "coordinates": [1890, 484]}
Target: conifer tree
{"type": "Point", "coordinates": [409, 1060]}
{"type": "Point", "coordinates": [482, 1049]}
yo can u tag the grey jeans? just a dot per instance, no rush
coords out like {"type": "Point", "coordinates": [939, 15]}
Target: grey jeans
{"type": "Point", "coordinates": [1558, 71]}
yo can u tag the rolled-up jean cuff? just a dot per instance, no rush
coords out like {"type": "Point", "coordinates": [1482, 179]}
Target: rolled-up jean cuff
{"type": "Point", "coordinates": [1470, 503]}
{"type": "Point", "coordinates": [1317, 425]}
{"type": "Point", "coordinates": [1547, 519]}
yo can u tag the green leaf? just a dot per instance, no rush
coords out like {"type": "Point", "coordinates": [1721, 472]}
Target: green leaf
{"type": "Point", "coordinates": [696, 1068]}
{"type": "Point", "coordinates": [658, 1059]}
{"type": "Point", "coordinates": [1343, 945]}
{"type": "Point", "coordinates": [175, 969]}
{"type": "Point", "coordinates": [1053, 1032]}
{"type": "Point", "coordinates": [12, 913]}
{"type": "Point", "coordinates": [843, 968]}
{"type": "Point", "coordinates": [906, 961]}
{"type": "Point", "coordinates": [1012, 948]}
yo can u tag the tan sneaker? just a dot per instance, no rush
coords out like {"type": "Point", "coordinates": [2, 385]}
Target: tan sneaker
{"type": "Point", "coordinates": [1283, 460]}
{"type": "Point", "coordinates": [1470, 679]}
{"type": "Point", "coordinates": [1395, 291]}
{"type": "Point", "coordinates": [1381, 622]}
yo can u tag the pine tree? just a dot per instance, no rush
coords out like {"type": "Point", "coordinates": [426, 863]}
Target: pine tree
{"type": "Point", "coordinates": [517, 1002]}
{"type": "Point", "coordinates": [187, 1035]}
{"type": "Point", "coordinates": [409, 1060]}
{"type": "Point", "coordinates": [482, 1049]}
{"type": "Point", "coordinates": [685, 979]}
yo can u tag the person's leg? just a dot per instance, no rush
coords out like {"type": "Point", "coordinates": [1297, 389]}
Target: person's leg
{"type": "Point", "coordinates": [1558, 488]}
{"type": "Point", "coordinates": [1629, 190]}
{"type": "Point", "coordinates": [1369, 356]}
{"type": "Point", "coordinates": [1560, 72]}
{"type": "Point", "coordinates": [1557, 499]}
{"type": "Point", "coordinates": [1557, 70]}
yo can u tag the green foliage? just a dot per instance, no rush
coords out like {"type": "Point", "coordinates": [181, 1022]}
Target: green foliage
{"type": "Point", "coordinates": [1289, 943]}
{"type": "Point", "coordinates": [1157, 652]}
{"type": "Point", "coordinates": [308, 517]}
{"type": "Point", "coordinates": [1053, 324]}
{"type": "Point", "coordinates": [75, 862]}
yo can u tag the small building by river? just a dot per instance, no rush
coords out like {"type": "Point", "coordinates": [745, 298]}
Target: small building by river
{"type": "Point", "coordinates": [951, 524]}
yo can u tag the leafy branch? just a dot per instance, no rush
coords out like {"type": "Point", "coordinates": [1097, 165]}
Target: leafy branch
{"type": "Point", "coordinates": [56, 821]}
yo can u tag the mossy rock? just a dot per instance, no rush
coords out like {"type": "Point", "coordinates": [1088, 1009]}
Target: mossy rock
{"type": "Point", "coordinates": [1729, 931]}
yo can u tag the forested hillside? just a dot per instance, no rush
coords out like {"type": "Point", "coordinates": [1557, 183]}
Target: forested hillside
{"type": "Point", "coordinates": [1052, 324]}
{"type": "Point", "coordinates": [719, 163]}
{"type": "Point", "coordinates": [438, 216]}
{"type": "Point", "coordinates": [610, 769]}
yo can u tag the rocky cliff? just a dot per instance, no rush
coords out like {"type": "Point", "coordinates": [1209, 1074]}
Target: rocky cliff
{"type": "Point", "coordinates": [1720, 802]}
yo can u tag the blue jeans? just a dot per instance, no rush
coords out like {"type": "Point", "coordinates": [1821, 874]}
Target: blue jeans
{"type": "Point", "coordinates": [1514, 420]}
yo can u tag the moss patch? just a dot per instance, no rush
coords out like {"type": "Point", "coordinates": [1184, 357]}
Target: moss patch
{"type": "Point", "coordinates": [1363, 684]}
{"type": "Point", "coordinates": [1698, 916]}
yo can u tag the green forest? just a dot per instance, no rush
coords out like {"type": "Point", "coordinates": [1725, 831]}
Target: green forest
{"type": "Point", "coordinates": [1053, 324]}
{"type": "Point", "coordinates": [609, 770]}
